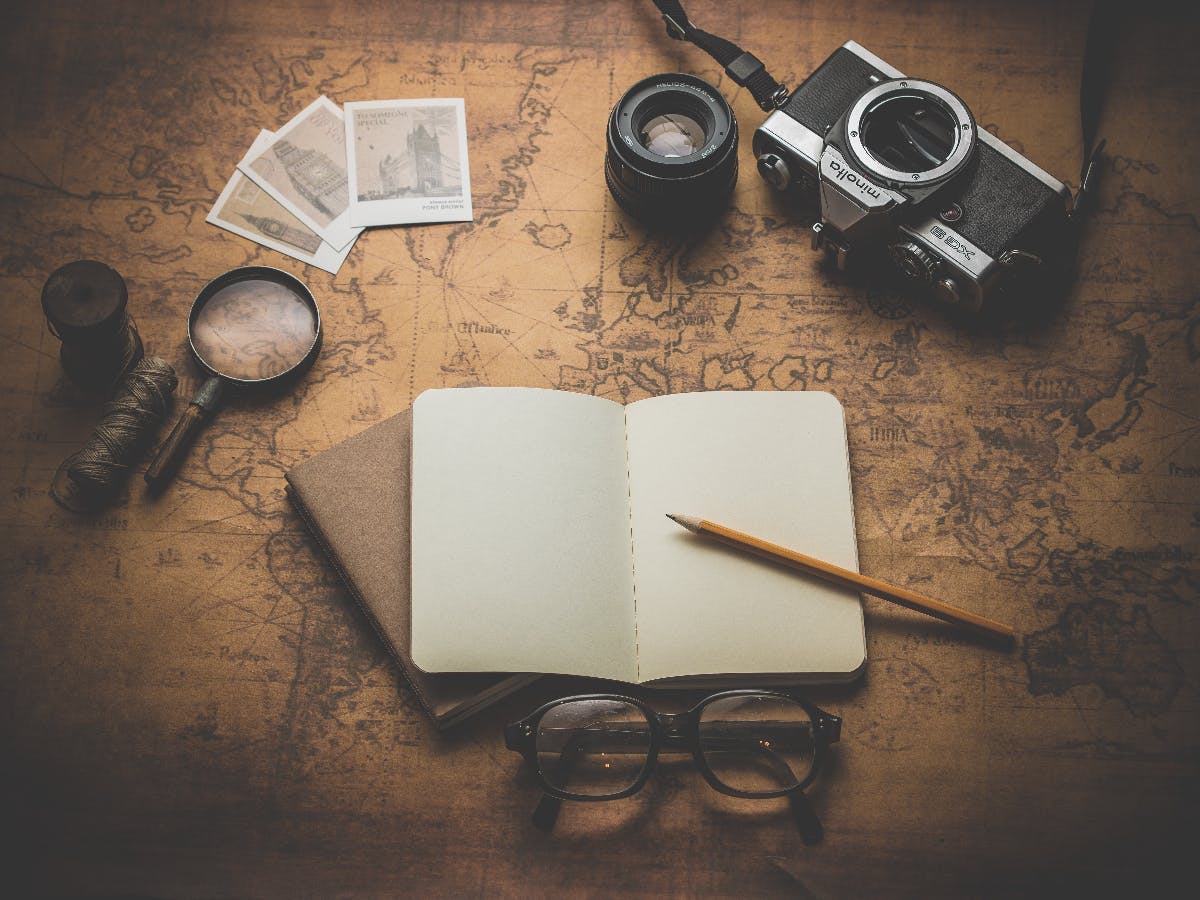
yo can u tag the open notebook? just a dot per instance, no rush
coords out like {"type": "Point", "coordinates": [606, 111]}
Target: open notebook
{"type": "Point", "coordinates": [540, 540]}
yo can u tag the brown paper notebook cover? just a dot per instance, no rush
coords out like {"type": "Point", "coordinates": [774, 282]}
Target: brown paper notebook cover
{"type": "Point", "coordinates": [355, 498]}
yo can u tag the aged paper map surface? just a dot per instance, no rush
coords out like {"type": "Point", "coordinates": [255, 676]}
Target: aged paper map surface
{"type": "Point", "coordinates": [190, 703]}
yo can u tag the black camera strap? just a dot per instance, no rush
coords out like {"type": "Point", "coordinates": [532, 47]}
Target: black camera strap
{"type": "Point", "coordinates": [744, 68]}
{"type": "Point", "coordinates": [1093, 85]}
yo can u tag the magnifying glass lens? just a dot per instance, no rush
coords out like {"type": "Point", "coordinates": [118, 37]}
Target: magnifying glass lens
{"type": "Point", "coordinates": [252, 327]}
{"type": "Point", "coordinates": [252, 330]}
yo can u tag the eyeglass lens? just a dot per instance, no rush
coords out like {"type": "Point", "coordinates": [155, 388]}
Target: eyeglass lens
{"type": "Point", "coordinates": [757, 743]}
{"type": "Point", "coordinates": [593, 748]}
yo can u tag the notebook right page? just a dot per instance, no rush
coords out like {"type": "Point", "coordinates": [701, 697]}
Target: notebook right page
{"type": "Point", "coordinates": [773, 464]}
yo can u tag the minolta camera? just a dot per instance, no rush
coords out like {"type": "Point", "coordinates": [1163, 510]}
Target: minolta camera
{"type": "Point", "coordinates": [901, 170]}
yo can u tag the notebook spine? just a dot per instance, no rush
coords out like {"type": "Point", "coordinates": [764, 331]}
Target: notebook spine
{"type": "Point", "coordinates": [632, 558]}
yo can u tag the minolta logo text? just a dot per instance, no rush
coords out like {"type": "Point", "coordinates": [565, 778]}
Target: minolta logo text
{"type": "Point", "coordinates": [843, 173]}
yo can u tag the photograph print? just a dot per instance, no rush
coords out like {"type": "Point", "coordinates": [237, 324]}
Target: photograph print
{"type": "Point", "coordinates": [245, 209]}
{"type": "Point", "coordinates": [407, 162]}
{"type": "Point", "coordinates": [303, 166]}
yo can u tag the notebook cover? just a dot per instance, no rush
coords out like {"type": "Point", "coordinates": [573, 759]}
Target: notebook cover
{"type": "Point", "coordinates": [355, 498]}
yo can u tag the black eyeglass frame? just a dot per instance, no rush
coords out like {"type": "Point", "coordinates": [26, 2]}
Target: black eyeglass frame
{"type": "Point", "coordinates": [675, 731]}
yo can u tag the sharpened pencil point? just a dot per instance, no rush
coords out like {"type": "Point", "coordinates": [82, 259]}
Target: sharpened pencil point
{"type": "Point", "coordinates": [691, 523]}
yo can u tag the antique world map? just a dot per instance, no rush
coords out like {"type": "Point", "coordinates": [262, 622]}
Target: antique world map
{"type": "Point", "coordinates": [1046, 475]}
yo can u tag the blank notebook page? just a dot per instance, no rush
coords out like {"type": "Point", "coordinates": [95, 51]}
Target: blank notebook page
{"type": "Point", "coordinates": [771, 464]}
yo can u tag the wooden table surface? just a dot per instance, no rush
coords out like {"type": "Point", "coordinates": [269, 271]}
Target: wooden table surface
{"type": "Point", "coordinates": [190, 703]}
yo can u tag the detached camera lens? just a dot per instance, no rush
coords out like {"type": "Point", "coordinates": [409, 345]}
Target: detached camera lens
{"type": "Point", "coordinates": [672, 151]}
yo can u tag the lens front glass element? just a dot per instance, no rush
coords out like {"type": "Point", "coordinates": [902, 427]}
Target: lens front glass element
{"type": "Point", "coordinates": [673, 134]}
{"type": "Point", "coordinates": [593, 748]}
{"type": "Point", "coordinates": [758, 743]}
{"type": "Point", "coordinates": [909, 132]}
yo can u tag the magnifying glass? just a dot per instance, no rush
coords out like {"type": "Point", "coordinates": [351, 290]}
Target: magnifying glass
{"type": "Point", "coordinates": [252, 328]}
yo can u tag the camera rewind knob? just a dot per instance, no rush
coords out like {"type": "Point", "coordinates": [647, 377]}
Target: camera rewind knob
{"type": "Point", "coordinates": [914, 262]}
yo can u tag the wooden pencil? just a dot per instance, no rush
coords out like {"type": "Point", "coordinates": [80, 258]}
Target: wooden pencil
{"type": "Point", "coordinates": [844, 577]}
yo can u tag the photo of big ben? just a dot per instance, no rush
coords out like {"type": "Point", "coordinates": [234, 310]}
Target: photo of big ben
{"type": "Point", "coordinates": [315, 177]}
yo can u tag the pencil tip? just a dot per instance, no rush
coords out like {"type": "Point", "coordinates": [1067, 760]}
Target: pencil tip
{"type": "Point", "coordinates": [691, 523]}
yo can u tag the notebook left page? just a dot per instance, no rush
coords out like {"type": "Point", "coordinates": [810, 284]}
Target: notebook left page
{"type": "Point", "coordinates": [521, 555]}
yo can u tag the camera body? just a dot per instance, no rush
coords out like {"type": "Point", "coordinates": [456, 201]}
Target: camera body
{"type": "Point", "coordinates": [901, 170]}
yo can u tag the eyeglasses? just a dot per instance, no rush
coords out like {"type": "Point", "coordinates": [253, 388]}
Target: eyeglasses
{"type": "Point", "coordinates": [748, 743]}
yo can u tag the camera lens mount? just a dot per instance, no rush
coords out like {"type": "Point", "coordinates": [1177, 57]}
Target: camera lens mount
{"type": "Point", "coordinates": [671, 158]}
{"type": "Point", "coordinates": [908, 132]}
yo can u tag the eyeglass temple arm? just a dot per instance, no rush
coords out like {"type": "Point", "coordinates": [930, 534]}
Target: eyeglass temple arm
{"type": "Point", "coordinates": [545, 814]}
{"type": "Point", "coordinates": [517, 736]}
{"type": "Point", "coordinates": [811, 831]}
{"type": "Point", "coordinates": [766, 734]}
{"type": "Point", "coordinates": [810, 827]}
{"type": "Point", "coordinates": [805, 817]}
{"type": "Point", "coordinates": [627, 737]}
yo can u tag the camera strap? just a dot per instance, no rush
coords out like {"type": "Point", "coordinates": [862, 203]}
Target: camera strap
{"type": "Point", "coordinates": [746, 69]}
{"type": "Point", "coordinates": [1093, 84]}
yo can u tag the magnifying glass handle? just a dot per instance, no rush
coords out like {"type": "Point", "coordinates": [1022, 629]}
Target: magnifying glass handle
{"type": "Point", "coordinates": [175, 447]}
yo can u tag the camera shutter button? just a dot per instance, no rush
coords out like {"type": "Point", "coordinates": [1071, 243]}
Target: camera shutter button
{"type": "Point", "coordinates": [915, 262]}
{"type": "Point", "coordinates": [774, 171]}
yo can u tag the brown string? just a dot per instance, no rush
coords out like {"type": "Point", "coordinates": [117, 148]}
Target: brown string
{"type": "Point", "coordinates": [127, 421]}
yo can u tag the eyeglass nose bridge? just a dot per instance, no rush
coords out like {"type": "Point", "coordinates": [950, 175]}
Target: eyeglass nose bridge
{"type": "Point", "coordinates": [675, 728]}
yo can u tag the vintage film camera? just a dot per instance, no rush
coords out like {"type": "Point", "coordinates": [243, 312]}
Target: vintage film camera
{"type": "Point", "coordinates": [903, 181]}
{"type": "Point", "coordinates": [899, 164]}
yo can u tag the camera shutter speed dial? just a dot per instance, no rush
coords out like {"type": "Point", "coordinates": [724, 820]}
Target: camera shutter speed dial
{"type": "Point", "coordinates": [914, 262]}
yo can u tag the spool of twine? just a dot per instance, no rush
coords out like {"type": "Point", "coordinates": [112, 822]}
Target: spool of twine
{"type": "Point", "coordinates": [90, 478]}
{"type": "Point", "coordinates": [84, 303]}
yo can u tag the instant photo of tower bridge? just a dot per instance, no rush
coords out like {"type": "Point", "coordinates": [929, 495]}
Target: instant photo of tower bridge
{"type": "Point", "coordinates": [422, 168]}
